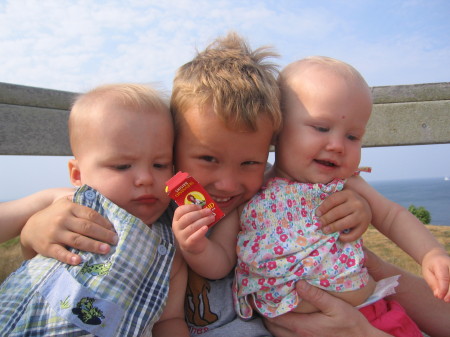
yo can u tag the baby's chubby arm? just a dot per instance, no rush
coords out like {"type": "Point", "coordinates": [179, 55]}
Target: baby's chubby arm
{"type": "Point", "coordinates": [403, 228]}
{"type": "Point", "coordinates": [172, 321]}
{"type": "Point", "coordinates": [214, 256]}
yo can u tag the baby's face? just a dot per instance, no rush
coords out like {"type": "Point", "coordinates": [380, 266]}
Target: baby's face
{"type": "Point", "coordinates": [324, 124]}
{"type": "Point", "coordinates": [229, 164]}
{"type": "Point", "coordinates": [127, 156]}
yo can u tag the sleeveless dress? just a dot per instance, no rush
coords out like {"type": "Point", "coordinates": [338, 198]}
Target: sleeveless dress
{"type": "Point", "coordinates": [280, 242]}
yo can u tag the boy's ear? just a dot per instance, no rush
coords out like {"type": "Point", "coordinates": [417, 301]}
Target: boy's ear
{"type": "Point", "coordinates": [74, 172]}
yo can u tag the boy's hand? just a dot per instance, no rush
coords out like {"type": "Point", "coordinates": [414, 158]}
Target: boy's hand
{"type": "Point", "coordinates": [436, 271]}
{"type": "Point", "coordinates": [345, 210]}
{"type": "Point", "coordinates": [62, 224]}
{"type": "Point", "coordinates": [190, 225]}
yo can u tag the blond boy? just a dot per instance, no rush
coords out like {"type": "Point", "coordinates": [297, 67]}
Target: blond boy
{"type": "Point", "coordinates": [226, 109]}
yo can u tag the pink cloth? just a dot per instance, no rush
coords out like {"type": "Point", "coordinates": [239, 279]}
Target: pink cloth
{"type": "Point", "coordinates": [390, 317]}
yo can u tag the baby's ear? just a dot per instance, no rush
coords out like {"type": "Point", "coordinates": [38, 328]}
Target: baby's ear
{"type": "Point", "coordinates": [74, 172]}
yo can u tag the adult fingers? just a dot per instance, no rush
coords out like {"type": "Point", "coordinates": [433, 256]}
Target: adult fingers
{"type": "Point", "coordinates": [282, 326]}
{"type": "Point", "coordinates": [317, 297]}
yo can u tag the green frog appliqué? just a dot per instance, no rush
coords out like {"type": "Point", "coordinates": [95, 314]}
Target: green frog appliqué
{"type": "Point", "coordinates": [87, 312]}
{"type": "Point", "coordinates": [98, 269]}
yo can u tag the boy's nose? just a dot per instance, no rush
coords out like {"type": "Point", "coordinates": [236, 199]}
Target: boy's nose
{"type": "Point", "coordinates": [227, 181]}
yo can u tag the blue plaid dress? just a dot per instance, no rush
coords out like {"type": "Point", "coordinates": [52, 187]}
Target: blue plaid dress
{"type": "Point", "coordinates": [122, 293]}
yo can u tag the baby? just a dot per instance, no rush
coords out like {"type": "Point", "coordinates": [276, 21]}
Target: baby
{"type": "Point", "coordinates": [121, 137]}
{"type": "Point", "coordinates": [326, 105]}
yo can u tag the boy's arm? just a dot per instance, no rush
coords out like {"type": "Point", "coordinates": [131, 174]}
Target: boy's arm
{"type": "Point", "coordinates": [172, 321]}
{"type": "Point", "coordinates": [403, 228]}
{"type": "Point", "coordinates": [48, 229]}
{"type": "Point", "coordinates": [212, 257]}
{"type": "Point", "coordinates": [343, 210]}
{"type": "Point", "coordinates": [15, 213]}
{"type": "Point", "coordinates": [65, 223]}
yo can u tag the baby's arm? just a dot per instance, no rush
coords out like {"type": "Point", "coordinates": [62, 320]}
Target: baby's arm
{"type": "Point", "coordinates": [172, 321]}
{"type": "Point", "coordinates": [403, 228]}
{"type": "Point", "coordinates": [212, 257]}
{"type": "Point", "coordinates": [15, 213]}
{"type": "Point", "coordinates": [345, 210]}
{"type": "Point", "coordinates": [430, 314]}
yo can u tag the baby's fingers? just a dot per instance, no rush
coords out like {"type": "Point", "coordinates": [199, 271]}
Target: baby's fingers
{"type": "Point", "coordinates": [438, 279]}
{"type": "Point", "coordinates": [443, 284]}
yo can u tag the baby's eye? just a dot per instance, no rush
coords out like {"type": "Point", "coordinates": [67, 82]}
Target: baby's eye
{"type": "Point", "coordinates": [160, 166]}
{"type": "Point", "coordinates": [122, 167]}
{"type": "Point", "coordinates": [352, 138]}
{"type": "Point", "coordinates": [321, 129]}
{"type": "Point", "coordinates": [209, 159]}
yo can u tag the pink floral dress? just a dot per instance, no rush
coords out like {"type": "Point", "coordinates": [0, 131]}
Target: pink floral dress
{"type": "Point", "coordinates": [280, 242]}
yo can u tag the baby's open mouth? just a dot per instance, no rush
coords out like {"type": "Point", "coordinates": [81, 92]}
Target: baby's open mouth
{"type": "Point", "coordinates": [325, 162]}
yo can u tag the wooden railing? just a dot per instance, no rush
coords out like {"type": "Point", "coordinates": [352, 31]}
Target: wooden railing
{"type": "Point", "coordinates": [33, 121]}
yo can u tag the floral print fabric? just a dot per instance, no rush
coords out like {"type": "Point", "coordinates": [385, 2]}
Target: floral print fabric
{"type": "Point", "coordinates": [280, 242]}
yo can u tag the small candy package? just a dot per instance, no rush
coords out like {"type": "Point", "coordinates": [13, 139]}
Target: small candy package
{"type": "Point", "coordinates": [184, 189]}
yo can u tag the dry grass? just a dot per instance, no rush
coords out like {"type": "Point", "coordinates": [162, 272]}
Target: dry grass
{"type": "Point", "coordinates": [12, 257]}
{"type": "Point", "coordinates": [387, 250]}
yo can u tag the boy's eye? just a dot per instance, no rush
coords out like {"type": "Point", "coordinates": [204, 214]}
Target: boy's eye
{"type": "Point", "coordinates": [122, 167]}
{"type": "Point", "coordinates": [210, 159]}
{"type": "Point", "coordinates": [250, 162]}
{"type": "Point", "coordinates": [352, 138]}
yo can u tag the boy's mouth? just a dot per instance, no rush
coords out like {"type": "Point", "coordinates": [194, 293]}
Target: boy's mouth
{"type": "Point", "coordinates": [221, 200]}
{"type": "Point", "coordinates": [325, 163]}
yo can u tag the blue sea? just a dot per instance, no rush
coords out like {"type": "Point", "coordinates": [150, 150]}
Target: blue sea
{"type": "Point", "coordinates": [431, 193]}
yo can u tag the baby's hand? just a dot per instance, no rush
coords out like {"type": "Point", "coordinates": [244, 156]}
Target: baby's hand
{"type": "Point", "coordinates": [436, 271]}
{"type": "Point", "coordinates": [346, 212]}
{"type": "Point", "coordinates": [190, 225]}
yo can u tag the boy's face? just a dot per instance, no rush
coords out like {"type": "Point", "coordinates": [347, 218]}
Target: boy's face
{"type": "Point", "coordinates": [127, 156]}
{"type": "Point", "coordinates": [229, 164]}
{"type": "Point", "coordinates": [325, 120]}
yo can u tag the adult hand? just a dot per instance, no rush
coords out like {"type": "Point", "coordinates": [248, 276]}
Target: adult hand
{"type": "Point", "coordinates": [65, 223]}
{"type": "Point", "coordinates": [345, 210]}
{"type": "Point", "coordinates": [337, 318]}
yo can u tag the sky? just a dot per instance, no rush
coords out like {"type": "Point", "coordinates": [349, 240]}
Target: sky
{"type": "Point", "coordinates": [75, 45]}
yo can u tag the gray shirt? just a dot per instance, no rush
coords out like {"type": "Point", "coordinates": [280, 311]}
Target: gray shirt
{"type": "Point", "coordinates": [210, 310]}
